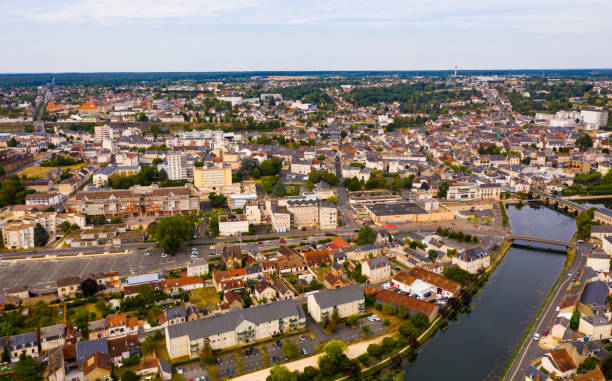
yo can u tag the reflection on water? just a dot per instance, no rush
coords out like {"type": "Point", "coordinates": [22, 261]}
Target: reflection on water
{"type": "Point", "coordinates": [478, 345]}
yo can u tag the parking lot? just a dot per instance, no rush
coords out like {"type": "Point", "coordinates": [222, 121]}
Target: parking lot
{"type": "Point", "coordinates": [254, 361]}
{"type": "Point", "coordinates": [43, 273]}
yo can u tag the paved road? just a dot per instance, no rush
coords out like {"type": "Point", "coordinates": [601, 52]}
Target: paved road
{"type": "Point", "coordinates": [530, 349]}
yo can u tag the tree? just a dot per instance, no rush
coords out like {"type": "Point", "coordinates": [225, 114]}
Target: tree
{"type": "Point", "coordinates": [443, 189]}
{"type": "Point", "coordinates": [28, 369]}
{"type": "Point", "coordinates": [290, 350]}
{"type": "Point", "coordinates": [366, 236]}
{"type": "Point", "coordinates": [7, 329]}
{"type": "Point", "coordinates": [128, 375]}
{"type": "Point", "coordinates": [375, 350]}
{"type": "Point", "coordinates": [606, 367]}
{"type": "Point", "coordinates": [281, 373]}
{"type": "Point", "coordinates": [588, 364]}
{"type": "Point", "coordinates": [41, 237]}
{"type": "Point", "coordinates": [575, 320]}
{"type": "Point", "coordinates": [366, 329]}
{"type": "Point", "coordinates": [12, 142]}
{"type": "Point", "coordinates": [172, 231]}
{"type": "Point", "coordinates": [89, 287]}
{"type": "Point", "coordinates": [216, 200]}
{"type": "Point", "coordinates": [420, 321]}
{"type": "Point", "coordinates": [207, 356]}
{"type": "Point", "coordinates": [584, 142]}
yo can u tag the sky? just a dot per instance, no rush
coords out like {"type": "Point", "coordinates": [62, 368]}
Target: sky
{"type": "Point", "coordinates": [246, 35]}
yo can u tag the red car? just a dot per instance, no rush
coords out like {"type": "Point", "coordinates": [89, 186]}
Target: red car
{"type": "Point", "coordinates": [545, 332]}
{"type": "Point", "coordinates": [260, 242]}
{"type": "Point", "coordinates": [282, 241]}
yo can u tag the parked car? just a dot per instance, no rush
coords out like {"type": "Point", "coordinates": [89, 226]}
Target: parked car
{"type": "Point", "coordinates": [302, 338]}
{"type": "Point", "coordinates": [260, 242]}
{"type": "Point", "coordinates": [218, 360]}
{"type": "Point", "coordinates": [304, 351]}
{"type": "Point", "coordinates": [279, 343]}
{"type": "Point", "coordinates": [545, 332]}
{"type": "Point", "coordinates": [557, 309]}
{"type": "Point", "coordinates": [212, 248]}
{"type": "Point", "coordinates": [282, 241]}
{"type": "Point", "coordinates": [536, 337]}
{"type": "Point", "coordinates": [179, 370]}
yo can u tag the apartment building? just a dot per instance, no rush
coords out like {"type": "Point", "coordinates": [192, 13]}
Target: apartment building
{"type": "Point", "coordinates": [472, 260]}
{"type": "Point", "coordinates": [305, 213]}
{"type": "Point", "coordinates": [236, 327]}
{"type": "Point", "coordinates": [102, 132]}
{"type": "Point", "coordinates": [177, 166]}
{"type": "Point", "coordinates": [466, 192]}
{"type": "Point", "coordinates": [137, 203]}
{"type": "Point", "coordinates": [377, 269]}
{"type": "Point", "coordinates": [212, 179]}
{"type": "Point", "coordinates": [347, 301]}
{"type": "Point", "coordinates": [328, 216]}
{"type": "Point", "coordinates": [233, 224]}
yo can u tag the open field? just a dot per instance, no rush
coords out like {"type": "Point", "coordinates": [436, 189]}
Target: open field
{"type": "Point", "coordinates": [205, 297]}
{"type": "Point", "coordinates": [43, 172]}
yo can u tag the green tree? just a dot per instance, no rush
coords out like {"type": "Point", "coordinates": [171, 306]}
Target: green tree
{"type": "Point", "coordinates": [588, 364]}
{"type": "Point", "coordinates": [217, 200]}
{"type": "Point", "coordinates": [281, 373]}
{"type": "Point", "coordinates": [366, 329]}
{"type": "Point", "coordinates": [420, 321]}
{"type": "Point", "coordinates": [366, 236]}
{"type": "Point", "coordinates": [290, 350]}
{"type": "Point", "coordinates": [7, 329]}
{"type": "Point", "coordinates": [12, 142]}
{"type": "Point", "coordinates": [28, 369]}
{"type": "Point", "coordinates": [207, 356]}
{"type": "Point", "coordinates": [172, 231]}
{"type": "Point", "coordinates": [575, 320]}
{"type": "Point", "coordinates": [128, 375]}
{"type": "Point", "coordinates": [584, 142]}
{"type": "Point", "coordinates": [41, 237]}
{"type": "Point", "coordinates": [443, 189]}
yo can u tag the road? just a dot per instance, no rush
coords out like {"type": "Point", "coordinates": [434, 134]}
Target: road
{"type": "Point", "coordinates": [530, 350]}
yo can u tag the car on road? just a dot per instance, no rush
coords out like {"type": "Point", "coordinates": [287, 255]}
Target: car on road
{"type": "Point", "coordinates": [279, 343]}
{"type": "Point", "coordinates": [536, 337]}
{"type": "Point", "coordinates": [230, 373]}
{"type": "Point", "coordinates": [212, 248]}
{"type": "Point", "coordinates": [217, 360]}
{"type": "Point", "coordinates": [545, 333]}
{"type": "Point", "coordinates": [179, 370]}
{"type": "Point", "coordinates": [557, 309]}
{"type": "Point", "coordinates": [147, 253]}
{"type": "Point", "coordinates": [304, 351]}
{"type": "Point", "coordinates": [260, 242]}
{"type": "Point", "coordinates": [282, 241]}
{"type": "Point", "coordinates": [164, 254]}
{"type": "Point", "coordinates": [302, 338]}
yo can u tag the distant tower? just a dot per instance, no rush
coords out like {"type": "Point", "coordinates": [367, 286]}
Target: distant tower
{"type": "Point", "coordinates": [455, 70]}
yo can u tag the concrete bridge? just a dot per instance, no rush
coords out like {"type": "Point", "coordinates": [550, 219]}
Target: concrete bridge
{"type": "Point", "coordinates": [549, 241]}
{"type": "Point", "coordinates": [559, 202]}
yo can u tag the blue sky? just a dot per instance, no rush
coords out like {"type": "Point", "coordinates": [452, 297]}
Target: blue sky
{"type": "Point", "coordinates": [226, 35]}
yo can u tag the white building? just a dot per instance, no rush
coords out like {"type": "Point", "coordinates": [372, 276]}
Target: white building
{"type": "Point", "coordinates": [177, 166]}
{"type": "Point", "coordinates": [593, 119]}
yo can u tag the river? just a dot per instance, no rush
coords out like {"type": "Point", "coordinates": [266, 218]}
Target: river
{"type": "Point", "coordinates": [478, 345]}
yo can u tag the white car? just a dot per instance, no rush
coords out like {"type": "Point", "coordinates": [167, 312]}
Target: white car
{"type": "Point", "coordinates": [387, 285]}
{"type": "Point", "coordinates": [193, 256]}
{"type": "Point", "coordinates": [212, 248]}
{"type": "Point", "coordinates": [536, 337]}
{"type": "Point", "coordinates": [164, 255]}
{"type": "Point", "coordinates": [557, 309]}
{"type": "Point", "coordinates": [179, 370]}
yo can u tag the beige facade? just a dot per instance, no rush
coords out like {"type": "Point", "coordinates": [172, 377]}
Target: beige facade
{"type": "Point", "coordinates": [603, 215]}
{"type": "Point", "coordinates": [347, 301]}
{"type": "Point", "coordinates": [253, 213]}
{"type": "Point", "coordinates": [376, 269]}
{"type": "Point", "coordinates": [211, 179]}
{"type": "Point", "coordinates": [232, 225]}
{"type": "Point", "coordinates": [236, 327]}
{"type": "Point", "coordinates": [197, 267]}
{"type": "Point", "coordinates": [595, 327]}
{"type": "Point", "coordinates": [328, 216]}
{"type": "Point", "coordinates": [305, 214]}
{"type": "Point", "coordinates": [18, 235]}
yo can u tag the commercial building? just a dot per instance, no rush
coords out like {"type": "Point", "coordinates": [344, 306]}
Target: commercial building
{"type": "Point", "coordinates": [236, 327]}
{"type": "Point", "coordinates": [233, 224]}
{"type": "Point", "coordinates": [593, 119]}
{"type": "Point", "coordinates": [468, 192]}
{"type": "Point", "coordinates": [347, 301]}
{"type": "Point", "coordinates": [212, 179]}
{"type": "Point", "coordinates": [406, 211]}
{"type": "Point", "coordinates": [144, 204]}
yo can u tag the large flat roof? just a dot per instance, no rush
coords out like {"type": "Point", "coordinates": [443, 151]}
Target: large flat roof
{"type": "Point", "coordinates": [394, 209]}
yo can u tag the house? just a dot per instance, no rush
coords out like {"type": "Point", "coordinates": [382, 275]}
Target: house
{"type": "Point", "coordinates": [232, 256]}
{"type": "Point", "coordinates": [264, 290]}
{"type": "Point", "coordinates": [68, 286]}
{"type": "Point", "coordinates": [534, 374]}
{"type": "Point", "coordinates": [332, 280]}
{"type": "Point", "coordinates": [173, 316]}
{"type": "Point", "coordinates": [56, 370]}
{"type": "Point", "coordinates": [283, 289]}
{"type": "Point", "coordinates": [175, 285]}
{"type": "Point", "coordinates": [20, 292]}
{"type": "Point", "coordinates": [413, 305]}
{"type": "Point", "coordinates": [26, 343]}
{"type": "Point", "coordinates": [52, 337]}
{"type": "Point", "coordinates": [232, 300]}
{"type": "Point", "coordinates": [97, 367]}
{"type": "Point", "coordinates": [591, 375]}
{"type": "Point", "coordinates": [603, 215]}
{"type": "Point", "coordinates": [197, 267]}
{"type": "Point", "coordinates": [559, 362]}
{"type": "Point", "coordinates": [377, 269]}
{"type": "Point", "coordinates": [346, 300]}
{"type": "Point", "coordinates": [473, 259]}
{"type": "Point", "coordinates": [123, 347]}
{"type": "Point", "coordinates": [317, 258]}
{"type": "Point", "coordinates": [85, 349]}
{"type": "Point", "coordinates": [120, 325]}
{"type": "Point", "coordinates": [595, 327]}
{"type": "Point", "coordinates": [593, 298]}
{"type": "Point", "coordinates": [97, 329]}
{"type": "Point", "coordinates": [236, 327]}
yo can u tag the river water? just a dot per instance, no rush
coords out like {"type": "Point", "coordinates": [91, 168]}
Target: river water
{"type": "Point", "coordinates": [478, 345]}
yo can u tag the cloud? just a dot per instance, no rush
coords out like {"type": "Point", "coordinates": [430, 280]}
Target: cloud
{"type": "Point", "coordinates": [546, 16]}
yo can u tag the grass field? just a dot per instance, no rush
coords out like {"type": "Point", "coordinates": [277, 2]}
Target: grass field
{"type": "Point", "coordinates": [205, 297]}
{"type": "Point", "coordinates": [42, 172]}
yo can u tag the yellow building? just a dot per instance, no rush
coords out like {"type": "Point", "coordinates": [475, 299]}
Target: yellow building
{"type": "Point", "coordinates": [212, 179]}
